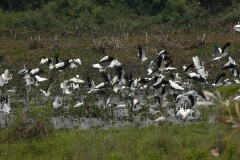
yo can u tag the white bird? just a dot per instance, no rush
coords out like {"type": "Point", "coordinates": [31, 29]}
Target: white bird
{"type": "Point", "coordinates": [44, 60]}
{"type": "Point", "coordinates": [64, 85]}
{"type": "Point", "coordinates": [219, 80]}
{"type": "Point", "coordinates": [196, 62]}
{"type": "Point", "coordinates": [202, 72]}
{"type": "Point", "coordinates": [114, 63]}
{"type": "Point", "coordinates": [176, 78]}
{"type": "Point", "coordinates": [90, 83]}
{"type": "Point", "coordinates": [48, 89]}
{"type": "Point", "coordinates": [6, 106]}
{"type": "Point", "coordinates": [57, 102]}
{"type": "Point", "coordinates": [230, 64]}
{"type": "Point", "coordinates": [78, 61]}
{"type": "Point", "coordinates": [39, 79]}
{"type": "Point", "coordinates": [160, 119]}
{"type": "Point", "coordinates": [107, 102]}
{"type": "Point", "coordinates": [6, 76]}
{"type": "Point", "coordinates": [183, 112]}
{"type": "Point", "coordinates": [29, 80]}
{"type": "Point", "coordinates": [35, 71]}
{"type": "Point", "coordinates": [102, 85]}
{"type": "Point", "coordinates": [220, 53]}
{"type": "Point", "coordinates": [141, 54]}
{"type": "Point", "coordinates": [67, 91]}
{"type": "Point", "coordinates": [22, 71]}
{"type": "Point", "coordinates": [196, 77]}
{"type": "Point", "coordinates": [50, 63]}
{"type": "Point", "coordinates": [79, 103]}
{"type": "Point", "coordinates": [237, 27]}
{"type": "Point", "coordinates": [98, 66]}
{"type": "Point", "coordinates": [5, 109]}
{"type": "Point", "coordinates": [76, 79]}
{"type": "Point", "coordinates": [117, 87]}
{"type": "Point", "coordinates": [72, 64]}
{"type": "Point", "coordinates": [175, 85]}
{"type": "Point", "coordinates": [74, 86]}
{"type": "Point", "coordinates": [121, 106]}
{"type": "Point", "coordinates": [61, 66]}
{"type": "Point", "coordinates": [134, 100]}
{"type": "Point", "coordinates": [1, 81]}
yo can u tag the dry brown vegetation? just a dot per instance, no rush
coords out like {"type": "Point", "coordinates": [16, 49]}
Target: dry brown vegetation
{"type": "Point", "coordinates": [91, 47]}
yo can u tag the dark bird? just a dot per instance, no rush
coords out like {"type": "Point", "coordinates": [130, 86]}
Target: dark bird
{"type": "Point", "coordinates": [219, 80]}
{"type": "Point", "coordinates": [220, 53]}
{"type": "Point", "coordinates": [230, 64]}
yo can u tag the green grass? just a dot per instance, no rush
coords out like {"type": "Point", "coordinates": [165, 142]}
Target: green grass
{"type": "Point", "coordinates": [161, 142]}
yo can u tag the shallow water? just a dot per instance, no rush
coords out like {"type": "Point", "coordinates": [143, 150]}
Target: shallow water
{"type": "Point", "coordinates": [110, 117]}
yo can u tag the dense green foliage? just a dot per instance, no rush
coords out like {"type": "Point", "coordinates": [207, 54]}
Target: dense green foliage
{"type": "Point", "coordinates": [47, 15]}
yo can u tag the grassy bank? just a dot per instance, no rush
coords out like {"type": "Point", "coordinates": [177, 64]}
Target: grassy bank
{"type": "Point", "coordinates": [162, 142]}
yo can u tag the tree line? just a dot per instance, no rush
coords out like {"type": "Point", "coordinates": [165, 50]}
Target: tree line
{"type": "Point", "coordinates": [139, 7]}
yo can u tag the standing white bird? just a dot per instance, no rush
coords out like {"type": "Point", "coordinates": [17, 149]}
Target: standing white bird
{"type": "Point", "coordinates": [6, 76]}
{"type": "Point", "coordinates": [2, 82]}
{"type": "Point", "coordinates": [57, 102]}
{"type": "Point", "coordinates": [183, 112]}
{"type": "Point", "coordinates": [6, 106]}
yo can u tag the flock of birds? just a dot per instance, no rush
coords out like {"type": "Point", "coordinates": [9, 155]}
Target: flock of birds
{"type": "Point", "coordinates": [173, 94]}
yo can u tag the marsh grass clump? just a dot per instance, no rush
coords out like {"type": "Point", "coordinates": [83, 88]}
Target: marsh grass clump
{"type": "Point", "coordinates": [38, 128]}
{"type": "Point", "coordinates": [35, 43]}
{"type": "Point", "coordinates": [34, 122]}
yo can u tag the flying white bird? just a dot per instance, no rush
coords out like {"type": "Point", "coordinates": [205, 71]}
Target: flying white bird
{"type": "Point", "coordinates": [175, 85]}
{"type": "Point", "coordinates": [79, 103]}
{"type": "Point", "coordinates": [220, 53]}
